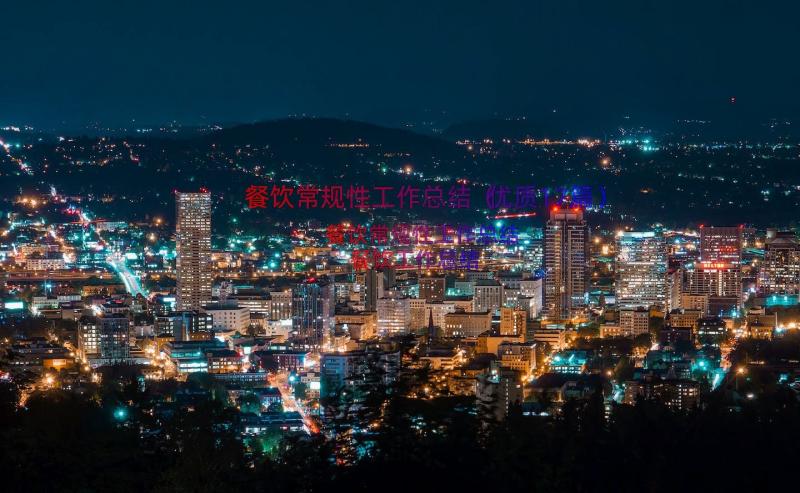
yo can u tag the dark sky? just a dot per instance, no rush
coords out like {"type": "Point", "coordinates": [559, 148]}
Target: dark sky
{"type": "Point", "coordinates": [69, 62]}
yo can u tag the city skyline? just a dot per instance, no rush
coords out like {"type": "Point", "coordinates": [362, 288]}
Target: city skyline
{"type": "Point", "coordinates": [407, 246]}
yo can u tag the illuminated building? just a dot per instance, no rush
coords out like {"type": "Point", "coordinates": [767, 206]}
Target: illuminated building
{"type": "Point", "coordinates": [780, 272]}
{"type": "Point", "coordinates": [46, 262]}
{"type": "Point", "coordinates": [641, 269]}
{"type": "Point", "coordinates": [312, 311]}
{"type": "Point", "coordinates": [488, 296]}
{"type": "Point", "coordinates": [418, 313]}
{"type": "Point", "coordinates": [711, 331]}
{"type": "Point", "coordinates": [228, 317]}
{"type": "Point", "coordinates": [556, 338]}
{"type": "Point", "coordinates": [513, 321]}
{"type": "Point", "coordinates": [718, 273]}
{"type": "Point", "coordinates": [190, 356]}
{"type": "Point", "coordinates": [104, 339]}
{"type": "Point", "coordinates": [532, 289]}
{"type": "Point", "coordinates": [436, 312]}
{"type": "Point", "coordinates": [255, 303]}
{"type": "Point", "coordinates": [88, 337]}
{"type": "Point", "coordinates": [193, 247]}
{"type": "Point", "coordinates": [368, 322]}
{"type": "Point", "coordinates": [694, 302]}
{"type": "Point", "coordinates": [674, 288]}
{"type": "Point", "coordinates": [517, 356]}
{"type": "Point", "coordinates": [569, 362]}
{"type": "Point", "coordinates": [432, 289]}
{"type": "Point", "coordinates": [675, 393]}
{"type": "Point", "coordinates": [376, 282]}
{"type": "Point", "coordinates": [467, 324]}
{"type": "Point", "coordinates": [185, 326]}
{"type": "Point", "coordinates": [281, 305]}
{"type": "Point", "coordinates": [684, 317]}
{"type": "Point", "coordinates": [394, 314]}
{"type": "Point", "coordinates": [223, 361]}
{"type": "Point", "coordinates": [498, 390]}
{"type": "Point", "coordinates": [634, 321]}
{"type": "Point", "coordinates": [720, 281]}
{"type": "Point", "coordinates": [613, 330]}
{"type": "Point", "coordinates": [566, 263]}
{"type": "Point", "coordinates": [721, 244]}
{"type": "Point", "coordinates": [489, 341]}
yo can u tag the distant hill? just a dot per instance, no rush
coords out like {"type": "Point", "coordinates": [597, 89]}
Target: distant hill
{"type": "Point", "coordinates": [303, 133]}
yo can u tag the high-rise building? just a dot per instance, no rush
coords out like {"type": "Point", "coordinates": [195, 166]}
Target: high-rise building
{"type": "Point", "coordinates": [115, 338]}
{"type": "Point", "coordinates": [566, 262]}
{"type": "Point", "coordinates": [193, 245]}
{"type": "Point", "coordinates": [394, 314]}
{"type": "Point", "coordinates": [641, 269]}
{"type": "Point", "coordinates": [720, 281]}
{"type": "Point", "coordinates": [780, 272]}
{"type": "Point", "coordinates": [376, 282]}
{"type": "Point", "coordinates": [312, 311]}
{"type": "Point", "coordinates": [719, 272]}
{"type": "Point", "coordinates": [104, 338]}
{"type": "Point", "coordinates": [721, 244]}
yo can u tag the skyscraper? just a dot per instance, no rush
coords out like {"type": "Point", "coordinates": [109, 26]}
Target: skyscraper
{"type": "Point", "coordinates": [780, 272]}
{"type": "Point", "coordinates": [193, 245]}
{"type": "Point", "coordinates": [565, 262]}
{"type": "Point", "coordinates": [641, 269]}
{"type": "Point", "coordinates": [719, 272]}
{"type": "Point", "coordinates": [313, 304]}
{"type": "Point", "coordinates": [721, 244]}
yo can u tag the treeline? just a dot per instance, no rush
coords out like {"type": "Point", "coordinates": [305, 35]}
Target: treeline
{"type": "Point", "coordinates": [68, 442]}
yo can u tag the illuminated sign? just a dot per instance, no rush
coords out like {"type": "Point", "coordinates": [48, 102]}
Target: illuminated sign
{"type": "Point", "coordinates": [14, 305]}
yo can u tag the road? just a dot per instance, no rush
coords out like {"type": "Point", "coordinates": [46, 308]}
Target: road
{"type": "Point", "coordinates": [280, 380]}
{"type": "Point", "coordinates": [131, 282]}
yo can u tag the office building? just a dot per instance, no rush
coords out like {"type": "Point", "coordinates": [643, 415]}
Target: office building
{"type": "Point", "coordinates": [565, 263]}
{"type": "Point", "coordinates": [641, 269]}
{"type": "Point", "coordinates": [432, 289]}
{"type": "Point", "coordinates": [193, 247]}
{"type": "Point", "coordinates": [312, 311]}
{"type": "Point", "coordinates": [780, 272]}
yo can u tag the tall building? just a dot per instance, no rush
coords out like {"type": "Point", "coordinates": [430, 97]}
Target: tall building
{"type": "Point", "coordinates": [193, 245]}
{"type": "Point", "coordinates": [312, 311]}
{"type": "Point", "coordinates": [641, 269]}
{"type": "Point", "coordinates": [376, 282]}
{"type": "Point", "coordinates": [720, 281]}
{"type": "Point", "coordinates": [721, 244]}
{"type": "Point", "coordinates": [394, 314]}
{"type": "Point", "coordinates": [780, 272]}
{"type": "Point", "coordinates": [104, 338]}
{"type": "Point", "coordinates": [566, 262]}
{"type": "Point", "coordinates": [719, 272]}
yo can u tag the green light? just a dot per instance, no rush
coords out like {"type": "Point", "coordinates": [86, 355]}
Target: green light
{"type": "Point", "coordinates": [120, 414]}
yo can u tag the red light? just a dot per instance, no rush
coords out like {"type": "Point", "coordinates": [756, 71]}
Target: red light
{"type": "Point", "coordinates": [555, 208]}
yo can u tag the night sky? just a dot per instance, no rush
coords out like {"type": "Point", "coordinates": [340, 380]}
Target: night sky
{"type": "Point", "coordinates": [223, 61]}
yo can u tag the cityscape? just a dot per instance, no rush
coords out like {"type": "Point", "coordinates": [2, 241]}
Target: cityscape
{"type": "Point", "coordinates": [324, 300]}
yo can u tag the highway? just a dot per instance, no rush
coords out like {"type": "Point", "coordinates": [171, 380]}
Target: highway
{"type": "Point", "coordinates": [120, 267]}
